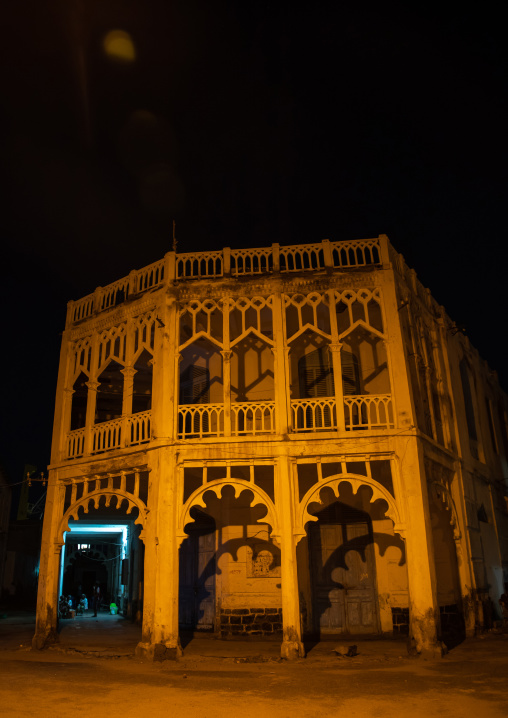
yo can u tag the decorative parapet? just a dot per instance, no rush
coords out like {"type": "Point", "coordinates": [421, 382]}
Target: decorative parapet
{"type": "Point", "coordinates": [236, 263]}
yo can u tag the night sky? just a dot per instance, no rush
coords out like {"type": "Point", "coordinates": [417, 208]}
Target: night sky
{"type": "Point", "coordinates": [247, 123]}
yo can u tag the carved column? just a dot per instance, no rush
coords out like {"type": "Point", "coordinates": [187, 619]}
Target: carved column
{"type": "Point", "coordinates": [335, 349]}
{"type": "Point", "coordinates": [292, 646]}
{"type": "Point", "coordinates": [128, 390]}
{"type": "Point", "coordinates": [280, 368]}
{"type": "Point", "coordinates": [91, 403]}
{"type": "Point", "coordinates": [226, 373]}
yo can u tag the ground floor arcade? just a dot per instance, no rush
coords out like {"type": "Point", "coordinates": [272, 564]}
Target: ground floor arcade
{"type": "Point", "coordinates": [311, 544]}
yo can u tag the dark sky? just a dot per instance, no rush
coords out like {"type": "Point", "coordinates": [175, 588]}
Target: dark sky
{"type": "Point", "coordinates": [247, 123]}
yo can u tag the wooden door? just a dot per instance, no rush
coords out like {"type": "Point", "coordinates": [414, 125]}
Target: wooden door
{"type": "Point", "coordinates": [344, 599]}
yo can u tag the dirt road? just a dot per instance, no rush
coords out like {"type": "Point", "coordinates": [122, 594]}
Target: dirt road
{"type": "Point", "coordinates": [470, 682]}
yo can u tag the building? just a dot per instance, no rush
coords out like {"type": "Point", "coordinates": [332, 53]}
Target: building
{"type": "Point", "coordinates": [291, 440]}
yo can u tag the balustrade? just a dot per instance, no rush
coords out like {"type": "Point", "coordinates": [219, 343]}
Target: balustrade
{"type": "Point", "coordinates": [75, 444]}
{"type": "Point", "coordinates": [139, 428]}
{"type": "Point", "coordinates": [252, 418]}
{"type": "Point", "coordinates": [314, 414]}
{"type": "Point", "coordinates": [368, 411]}
{"type": "Point", "coordinates": [200, 420]}
{"type": "Point", "coordinates": [106, 436]}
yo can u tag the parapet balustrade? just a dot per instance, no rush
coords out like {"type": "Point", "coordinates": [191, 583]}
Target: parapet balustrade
{"type": "Point", "coordinates": [232, 262]}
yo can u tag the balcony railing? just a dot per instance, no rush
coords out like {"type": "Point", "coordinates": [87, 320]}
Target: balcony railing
{"type": "Point", "coordinates": [75, 444]}
{"type": "Point", "coordinates": [196, 421]}
{"type": "Point", "coordinates": [106, 436]}
{"type": "Point", "coordinates": [139, 428]}
{"type": "Point", "coordinates": [252, 418]}
{"type": "Point", "coordinates": [368, 411]}
{"type": "Point", "coordinates": [115, 434]}
{"type": "Point", "coordinates": [314, 414]}
{"type": "Point", "coordinates": [227, 262]}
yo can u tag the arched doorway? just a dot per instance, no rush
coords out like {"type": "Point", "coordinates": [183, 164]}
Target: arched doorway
{"type": "Point", "coordinates": [229, 564]}
{"type": "Point", "coordinates": [351, 562]}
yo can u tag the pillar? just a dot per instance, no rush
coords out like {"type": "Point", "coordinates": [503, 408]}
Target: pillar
{"type": "Point", "coordinates": [424, 623]}
{"type": "Point", "coordinates": [280, 367]}
{"type": "Point", "coordinates": [292, 646]}
{"type": "Point", "coordinates": [46, 623]}
{"type": "Point", "coordinates": [160, 633]}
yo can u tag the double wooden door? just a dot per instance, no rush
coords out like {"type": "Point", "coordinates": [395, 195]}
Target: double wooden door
{"type": "Point", "coordinates": [343, 578]}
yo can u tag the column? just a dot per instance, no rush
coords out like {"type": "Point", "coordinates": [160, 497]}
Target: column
{"type": "Point", "coordinates": [165, 375]}
{"type": "Point", "coordinates": [46, 623]}
{"type": "Point", "coordinates": [226, 373]}
{"type": "Point", "coordinates": [91, 402]}
{"type": "Point", "coordinates": [292, 646]}
{"type": "Point", "coordinates": [335, 349]}
{"type": "Point", "coordinates": [280, 368]}
{"type": "Point", "coordinates": [424, 624]}
{"type": "Point", "coordinates": [128, 390]}
{"type": "Point", "coordinates": [160, 638]}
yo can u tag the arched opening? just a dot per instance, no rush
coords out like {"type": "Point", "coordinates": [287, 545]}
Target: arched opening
{"type": "Point", "coordinates": [79, 402]}
{"type": "Point", "coordinates": [201, 384]}
{"type": "Point", "coordinates": [110, 393]}
{"type": "Point", "coordinates": [102, 547]}
{"type": "Point", "coordinates": [351, 567]}
{"type": "Point", "coordinates": [142, 383]}
{"type": "Point", "coordinates": [230, 567]}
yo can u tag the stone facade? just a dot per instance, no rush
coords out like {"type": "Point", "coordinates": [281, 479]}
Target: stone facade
{"type": "Point", "coordinates": [301, 429]}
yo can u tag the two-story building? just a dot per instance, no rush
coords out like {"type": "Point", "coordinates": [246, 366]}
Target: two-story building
{"type": "Point", "coordinates": [282, 440]}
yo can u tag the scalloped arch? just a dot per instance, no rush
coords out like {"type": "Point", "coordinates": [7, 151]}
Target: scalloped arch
{"type": "Point", "coordinates": [196, 499]}
{"type": "Point", "coordinates": [95, 497]}
{"type": "Point", "coordinates": [312, 496]}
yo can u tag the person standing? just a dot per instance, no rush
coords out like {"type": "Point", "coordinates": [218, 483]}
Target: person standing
{"type": "Point", "coordinates": [96, 598]}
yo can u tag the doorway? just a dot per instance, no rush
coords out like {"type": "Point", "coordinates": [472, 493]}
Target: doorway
{"type": "Point", "coordinates": [343, 576]}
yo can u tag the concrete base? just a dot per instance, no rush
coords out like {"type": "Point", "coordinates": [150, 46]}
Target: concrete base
{"type": "Point", "coordinates": [159, 652]}
{"type": "Point", "coordinates": [44, 639]}
{"type": "Point", "coordinates": [291, 650]}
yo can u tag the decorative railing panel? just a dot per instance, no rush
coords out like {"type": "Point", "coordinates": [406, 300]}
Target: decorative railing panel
{"type": "Point", "coordinates": [114, 294]}
{"type": "Point", "coordinates": [302, 257]}
{"type": "Point", "coordinates": [106, 436]}
{"type": "Point", "coordinates": [251, 261]}
{"type": "Point", "coordinates": [196, 421]}
{"type": "Point", "coordinates": [357, 253]}
{"type": "Point", "coordinates": [252, 418]}
{"type": "Point", "coordinates": [139, 428]}
{"type": "Point", "coordinates": [149, 277]}
{"type": "Point", "coordinates": [368, 412]}
{"type": "Point", "coordinates": [314, 414]}
{"type": "Point", "coordinates": [83, 308]}
{"type": "Point", "coordinates": [75, 444]}
{"type": "Point", "coordinates": [198, 265]}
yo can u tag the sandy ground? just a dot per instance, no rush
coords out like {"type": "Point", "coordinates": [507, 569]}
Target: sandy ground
{"type": "Point", "coordinates": [92, 670]}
